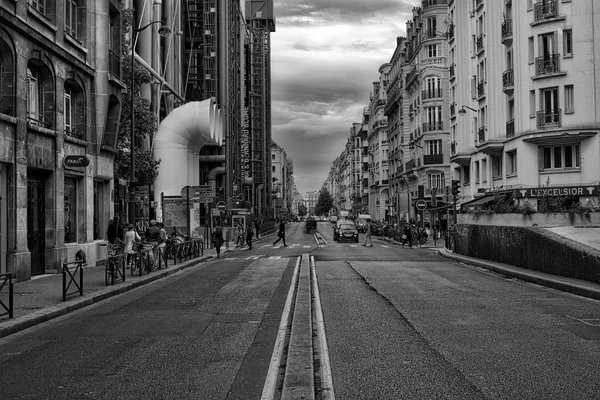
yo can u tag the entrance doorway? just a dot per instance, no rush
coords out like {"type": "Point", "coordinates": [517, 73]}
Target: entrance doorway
{"type": "Point", "coordinates": [36, 224]}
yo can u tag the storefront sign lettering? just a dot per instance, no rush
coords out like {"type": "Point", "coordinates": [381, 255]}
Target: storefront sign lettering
{"type": "Point", "coordinates": [556, 191]}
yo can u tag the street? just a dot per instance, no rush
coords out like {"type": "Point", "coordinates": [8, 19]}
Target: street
{"type": "Point", "coordinates": [399, 324]}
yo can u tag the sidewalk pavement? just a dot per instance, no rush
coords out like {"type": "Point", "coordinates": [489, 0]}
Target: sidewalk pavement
{"type": "Point", "coordinates": [40, 299]}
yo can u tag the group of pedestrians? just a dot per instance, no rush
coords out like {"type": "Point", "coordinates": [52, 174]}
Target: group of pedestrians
{"type": "Point", "coordinates": [130, 239]}
{"type": "Point", "coordinates": [245, 234]}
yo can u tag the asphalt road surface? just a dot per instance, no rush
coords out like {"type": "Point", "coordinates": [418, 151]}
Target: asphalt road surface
{"type": "Point", "coordinates": [399, 323]}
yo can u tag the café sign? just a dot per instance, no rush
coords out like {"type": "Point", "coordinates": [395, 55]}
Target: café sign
{"type": "Point", "coordinates": [589, 190]}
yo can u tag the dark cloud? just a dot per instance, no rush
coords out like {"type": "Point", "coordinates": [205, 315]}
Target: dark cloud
{"type": "Point", "coordinates": [332, 10]}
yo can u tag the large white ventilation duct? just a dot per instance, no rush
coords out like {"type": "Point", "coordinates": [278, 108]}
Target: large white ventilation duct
{"type": "Point", "coordinates": [177, 144]}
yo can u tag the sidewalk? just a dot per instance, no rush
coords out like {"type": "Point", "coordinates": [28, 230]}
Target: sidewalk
{"type": "Point", "coordinates": [40, 299]}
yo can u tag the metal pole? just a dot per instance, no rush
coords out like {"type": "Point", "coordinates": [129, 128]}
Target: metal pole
{"type": "Point", "coordinates": [132, 133]}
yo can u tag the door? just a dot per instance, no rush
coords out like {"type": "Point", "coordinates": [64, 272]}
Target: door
{"type": "Point", "coordinates": [36, 225]}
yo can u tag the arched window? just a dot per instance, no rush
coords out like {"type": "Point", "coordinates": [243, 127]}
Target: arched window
{"type": "Point", "coordinates": [7, 86]}
{"type": "Point", "coordinates": [74, 102]}
{"type": "Point", "coordinates": [40, 94]}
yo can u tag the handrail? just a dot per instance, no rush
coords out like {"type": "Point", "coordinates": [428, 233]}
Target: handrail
{"type": "Point", "coordinates": [4, 279]}
{"type": "Point", "coordinates": [71, 270]}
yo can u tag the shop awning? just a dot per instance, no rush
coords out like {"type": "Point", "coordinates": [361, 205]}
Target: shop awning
{"type": "Point", "coordinates": [478, 203]}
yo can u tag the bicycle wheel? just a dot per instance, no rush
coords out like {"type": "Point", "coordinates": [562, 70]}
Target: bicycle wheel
{"type": "Point", "coordinates": [134, 264]}
{"type": "Point", "coordinates": [109, 277]}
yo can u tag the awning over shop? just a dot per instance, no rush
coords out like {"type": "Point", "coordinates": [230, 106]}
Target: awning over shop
{"type": "Point", "coordinates": [477, 203]}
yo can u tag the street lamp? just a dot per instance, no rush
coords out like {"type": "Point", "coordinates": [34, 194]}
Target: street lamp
{"type": "Point", "coordinates": [163, 31]}
{"type": "Point", "coordinates": [462, 110]}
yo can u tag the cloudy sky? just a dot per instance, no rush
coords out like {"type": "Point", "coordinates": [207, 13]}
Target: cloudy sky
{"type": "Point", "coordinates": [325, 55]}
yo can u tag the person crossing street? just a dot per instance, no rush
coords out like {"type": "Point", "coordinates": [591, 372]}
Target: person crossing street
{"type": "Point", "coordinates": [281, 233]}
{"type": "Point", "coordinates": [368, 234]}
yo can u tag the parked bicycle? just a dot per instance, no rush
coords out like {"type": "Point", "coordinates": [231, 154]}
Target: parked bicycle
{"type": "Point", "coordinates": [115, 259]}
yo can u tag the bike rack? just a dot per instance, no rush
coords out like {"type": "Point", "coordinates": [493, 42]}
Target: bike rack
{"type": "Point", "coordinates": [71, 270]}
{"type": "Point", "coordinates": [4, 279]}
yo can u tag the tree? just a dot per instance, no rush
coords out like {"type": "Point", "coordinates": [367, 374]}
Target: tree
{"type": "Point", "coordinates": [324, 203]}
{"type": "Point", "coordinates": [301, 210]}
{"type": "Point", "coordinates": [146, 167]}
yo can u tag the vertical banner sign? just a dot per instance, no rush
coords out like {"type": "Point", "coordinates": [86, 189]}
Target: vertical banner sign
{"type": "Point", "coordinates": [245, 134]}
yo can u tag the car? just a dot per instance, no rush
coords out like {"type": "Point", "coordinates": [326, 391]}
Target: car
{"type": "Point", "coordinates": [346, 230]}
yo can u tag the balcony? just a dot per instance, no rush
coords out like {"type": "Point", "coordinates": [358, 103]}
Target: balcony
{"type": "Point", "coordinates": [453, 148]}
{"type": "Point", "coordinates": [453, 110]}
{"type": "Point", "coordinates": [431, 94]}
{"type": "Point", "coordinates": [547, 119]}
{"type": "Point", "coordinates": [410, 165]}
{"type": "Point", "coordinates": [429, 159]}
{"type": "Point", "coordinates": [479, 44]}
{"type": "Point", "coordinates": [508, 82]}
{"type": "Point", "coordinates": [507, 33]}
{"type": "Point", "coordinates": [481, 134]}
{"type": "Point", "coordinates": [548, 64]}
{"type": "Point", "coordinates": [433, 126]}
{"type": "Point", "coordinates": [510, 128]}
{"type": "Point", "coordinates": [481, 89]}
{"type": "Point", "coordinates": [546, 9]}
{"type": "Point", "coordinates": [478, 4]}
{"type": "Point", "coordinates": [452, 71]}
{"type": "Point", "coordinates": [451, 32]}
{"type": "Point", "coordinates": [410, 77]}
{"type": "Point", "coordinates": [428, 3]}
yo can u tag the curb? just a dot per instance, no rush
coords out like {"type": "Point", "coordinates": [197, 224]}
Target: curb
{"type": "Point", "coordinates": [569, 285]}
{"type": "Point", "coordinates": [52, 312]}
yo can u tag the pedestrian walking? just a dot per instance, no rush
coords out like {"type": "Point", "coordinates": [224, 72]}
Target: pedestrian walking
{"type": "Point", "coordinates": [241, 235]}
{"type": "Point", "coordinates": [249, 234]}
{"type": "Point", "coordinates": [257, 227]}
{"type": "Point", "coordinates": [281, 233]}
{"type": "Point", "coordinates": [217, 238]}
{"type": "Point", "coordinates": [407, 235]}
{"type": "Point", "coordinates": [368, 234]}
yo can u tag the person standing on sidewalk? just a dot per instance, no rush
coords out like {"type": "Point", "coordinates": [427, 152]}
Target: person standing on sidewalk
{"type": "Point", "coordinates": [407, 235]}
{"type": "Point", "coordinates": [257, 227]}
{"type": "Point", "coordinates": [131, 237]}
{"type": "Point", "coordinates": [249, 234]}
{"type": "Point", "coordinates": [115, 231]}
{"type": "Point", "coordinates": [368, 234]}
{"type": "Point", "coordinates": [239, 242]}
{"type": "Point", "coordinates": [281, 233]}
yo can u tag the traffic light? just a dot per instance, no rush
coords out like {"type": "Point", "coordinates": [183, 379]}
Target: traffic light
{"type": "Point", "coordinates": [455, 187]}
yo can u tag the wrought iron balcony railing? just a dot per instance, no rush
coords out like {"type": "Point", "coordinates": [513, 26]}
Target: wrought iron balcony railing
{"type": "Point", "coordinates": [510, 128]}
{"type": "Point", "coordinates": [545, 9]}
{"type": "Point", "coordinates": [548, 118]}
{"type": "Point", "coordinates": [433, 126]}
{"type": "Point", "coordinates": [547, 64]}
{"type": "Point", "coordinates": [429, 159]}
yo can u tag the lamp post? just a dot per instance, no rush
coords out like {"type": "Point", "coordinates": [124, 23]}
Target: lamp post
{"type": "Point", "coordinates": [462, 110]}
{"type": "Point", "coordinates": [163, 31]}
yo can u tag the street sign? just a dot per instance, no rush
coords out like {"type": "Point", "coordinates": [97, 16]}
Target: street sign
{"type": "Point", "coordinates": [434, 202]}
{"type": "Point", "coordinates": [201, 192]}
{"type": "Point", "coordinates": [433, 191]}
{"type": "Point", "coordinates": [76, 161]}
{"type": "Point", "coordinates": [421, 205]}
{"type": "Point", "coordinates": [221, 206]}
{"type": "Point", "coordinates": [447, 189]}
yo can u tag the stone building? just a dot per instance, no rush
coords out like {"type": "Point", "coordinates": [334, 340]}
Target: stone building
{"type": "Point", "coordinates": [60, 102]}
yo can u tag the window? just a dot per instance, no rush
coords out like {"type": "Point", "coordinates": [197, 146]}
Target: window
{"type": "Point", "coordinates": [273, 168]}
{"type": "Point", "coordinates": [71, 18]}
{"type": "Point", "coordinates": [38, 5]}
{"type": "Point", "coordinates": [272, 156]}
{"type": "Point", "coordinates": [433, 146]}
{"type": "Point", "coordinates": [532, 104]}
{"type": "Point", "coordinates": [531, 54]}
{"type": "Point", "coordinates": [484, 171]}
{"type": "Point", "coordinates": [114, 42]}
{"type": "Point", "coordinates": [99, 224]}
{"type": "Point", "coordinates": [560, 157]}
{"type": "Point", "coordinates": [567, 43]}
{"type": "Point", "coordinates": [569, 99]}
{"type": "Point", "coordinates": [529, 5]}
{"type": "Point", "coordinates": [34, 97]}
{"type": "Point", "coordinates": [477, 171]}
{"type": "Point", "coordinates": [496, 167]}
{"type": "Point", "coordinates": [70, 210]}
{"type": "Point", "coordinates": [436, 181]}
{"type": "Point", "coordinates": [432, 50]}
{"type": "Point", "coordinates": [466, 175]}
{"type": "Point", "coordinates": [511, 162]}
{"type": "Point", "coordinates": [7, 87]}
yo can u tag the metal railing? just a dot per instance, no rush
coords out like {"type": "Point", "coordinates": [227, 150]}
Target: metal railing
{"type": "Point", "coordinates": [70, 272]}
{"type": "Point", "coordinates": [8, 308]}
{"type": "Point", "coordinates": [510, 128]}
{"type": "Point", "coordinates": [433, 126]}
{"type": "Point", "coordinates": [479, 43]}
{"type": "Point", "coordinates": [429, 159]}
{"type": "Point", "coordinates": [431, 93]}
{"type": "Point", "coordinates": [506, 29]}
{"type": "Point", "coordinates": [481, 88]}
{"type": "Point", "coordinates": [548, 118]}
{"type": "Point", "coordinates": [547, 64]}
{"type": "Point", "coordinates": [481, 134]}
{"type": "Point", "coordinates": [115, 268]}
{"type": "Point", "coordinates": [545, 9]}
{"type": "Point", "coordinates": [184, 251]}
{"type": "Point", "coordinates": [508, 79]}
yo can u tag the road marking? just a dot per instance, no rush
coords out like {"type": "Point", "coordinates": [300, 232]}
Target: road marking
{"type": "Point", "coordinates": [274, 257]}
{"type": "Point", "coordinates": [268, 392]}
{"type": "Point", "coordinates": [382, 245]}
{"type": "Point", "coordinates": [254, 257]}
{"type": "Point", "coordinates": [327, 391]}
{"type": "Point", "coordinates": [307, 247]}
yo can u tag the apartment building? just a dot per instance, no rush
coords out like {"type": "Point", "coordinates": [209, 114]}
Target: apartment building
{"type": "Point", "coordinates": [424, 113]}
{"type": "Point", "coordinates": [377, 138]}
{"type": "Point", "coordinates": [359, 172]}
{"type": "Point", "coordinates": [529, 83]}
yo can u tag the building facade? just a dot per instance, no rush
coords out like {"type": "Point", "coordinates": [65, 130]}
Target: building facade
{"type": "Point", "coordinates": [532, 122]}
{"type": "Point", "coordinates": [60, 101]}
